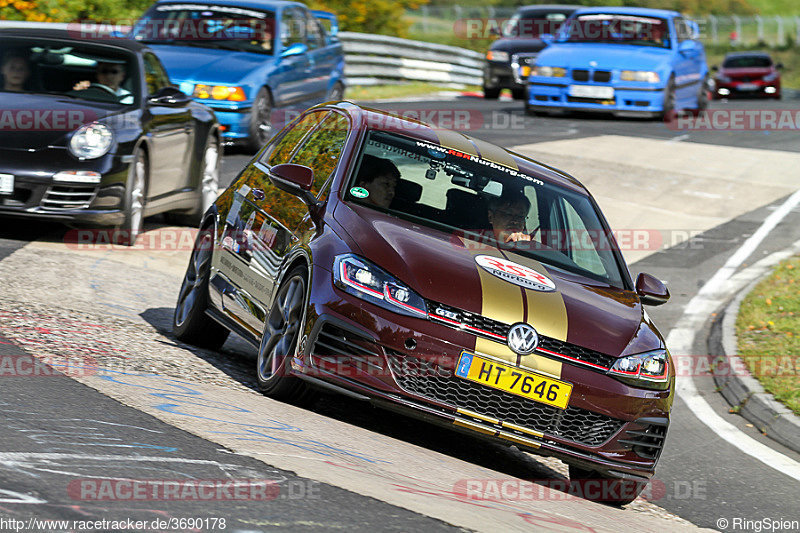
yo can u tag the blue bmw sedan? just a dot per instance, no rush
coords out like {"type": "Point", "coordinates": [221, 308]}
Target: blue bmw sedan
{"type": "Point", "coordinates": [621, 60]}
{"type": "Point", "coordinates": [246, 59]}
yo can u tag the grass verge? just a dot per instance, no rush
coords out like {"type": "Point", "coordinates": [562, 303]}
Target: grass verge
{"type": "Point", "coordinates": [377, 92]}
{"type": "Point", "coordinates": [768, 333]}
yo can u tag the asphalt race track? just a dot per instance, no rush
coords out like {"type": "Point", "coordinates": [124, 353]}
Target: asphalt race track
{"type": "Point", "coordinates": [165, 411]}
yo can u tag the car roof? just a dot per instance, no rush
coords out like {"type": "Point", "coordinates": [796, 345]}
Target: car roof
{"type": "Point", "coordinates": [643, 11]}
{"type": "Point", "coordinates": [548, 7]}
{"type": "Point", "coordinates": [376, 119]}
{"type": "Point", "coordinates": [264, 5]}
{"type": "Point", "coordinates": [89, 38]}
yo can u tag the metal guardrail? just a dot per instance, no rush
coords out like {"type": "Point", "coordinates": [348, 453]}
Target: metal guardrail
{"type": "Point", "coordinates": [373, 59]}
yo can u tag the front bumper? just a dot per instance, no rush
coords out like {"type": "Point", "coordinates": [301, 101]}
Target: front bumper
{"type": "Point", "coordinates": [628, 98]}
{"type": "Point", "coordinates": [497, 75]}
{"type": "Point", "coordinates": [234, 123]}
{"type": "Point", "coordinates": [407, 364]}
{"type": "Point", "coordinates": [36, 194]}
{"type": "Point", "coordinates": [747, 89]}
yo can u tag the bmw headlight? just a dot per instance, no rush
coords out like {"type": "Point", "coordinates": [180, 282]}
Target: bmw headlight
{"type": "Point", "coordinates": [649, 369]}
{"type": "Point", "coordinates": [361, 278]}
{"type": "Point", "coordinates": [640, 75]}
{"type": "Point", "coordinates": [549, 72]}
{"type": "Point", "coordinates": [91, 141]}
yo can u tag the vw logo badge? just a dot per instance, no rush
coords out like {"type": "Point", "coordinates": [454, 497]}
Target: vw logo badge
{"type": "Point", "coordinates": [522, 338]}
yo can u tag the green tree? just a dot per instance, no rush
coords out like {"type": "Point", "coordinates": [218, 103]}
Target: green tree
{"type": "Point", "coordinates": [385, 17]}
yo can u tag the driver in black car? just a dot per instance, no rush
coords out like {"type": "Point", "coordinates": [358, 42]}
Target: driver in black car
{"type": "Point", "coordinates": [110, 75]}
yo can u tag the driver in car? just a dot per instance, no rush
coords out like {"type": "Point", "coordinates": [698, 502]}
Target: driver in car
{"type": "Point", "coordinates": [379, 177]}
{"type": "Point", "coordinates": [507, 214]}
{"type": "Point", "coordinates": [110, 75]}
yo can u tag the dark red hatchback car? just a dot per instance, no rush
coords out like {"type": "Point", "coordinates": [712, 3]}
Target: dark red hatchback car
{"type": "Point", "coordinates": [748, 74]}
{"type": "Point", "coordinates": [429, 272]}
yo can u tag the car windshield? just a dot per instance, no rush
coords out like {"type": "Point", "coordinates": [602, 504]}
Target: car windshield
{"type": "Point", "coordinates": [529, 25]}
{"type": "Point", "coordinates": [478, 199]}
{"type": "Point", "coordinates": [747, 62]}
{"type": "Point", "coordinates": [616, 28]}
{"type": "Point", "coordinates": [70, 69]}
{"type": "Point", "coordinates": [211, 26]}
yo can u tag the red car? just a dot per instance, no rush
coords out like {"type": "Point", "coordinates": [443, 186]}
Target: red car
{"type": "Point", "coordinates": [748, 74]}
{"type": "Point", "coordinates": [436, 274]}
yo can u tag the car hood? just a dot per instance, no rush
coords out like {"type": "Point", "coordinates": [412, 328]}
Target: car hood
{"type": "Point", "coordinates": [36, 121]}
{"type": "Point", "coordinates": [207, 65]}
{"type": "Point", "coordinates": [603, 56]}
{"type": "Point", "coordinates": [442, 267]}
{"type": "Point", "coordinates": [513, 46]}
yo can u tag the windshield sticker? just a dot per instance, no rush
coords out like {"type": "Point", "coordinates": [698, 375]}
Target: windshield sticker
{"type": "Point", "coordinates": [479, 160]}
{"type": "Point", "coordinates": [515, 273]}
{"type": "Point", "coordinates": [206, 7]}
{"type": "Point", "coordinates": [359, 192]}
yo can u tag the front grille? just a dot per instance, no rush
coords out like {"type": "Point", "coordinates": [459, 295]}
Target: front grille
{"type": "Point", "coordinates": [339, 347]}
{"type": "Point", "coordinates": [580, 75]}
{"type": "Point", "coordinates": [581, 100]}
{"type": "Point", "coordinates": [602, 76]}
{"type": "Point", "coordinates": [648, 441]}
{"type": "Point", "coordinates": [438, 383]}
{"type": "Point", "coordinates": [59, 197]}
{"type": "Point", "coordinates": [565, 349]}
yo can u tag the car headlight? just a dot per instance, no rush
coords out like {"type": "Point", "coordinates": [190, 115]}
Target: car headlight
{"type": "Point", "coordinates": [722, 78]}
{"type": "Point", "coordinates": [91, 141]}
{"type": "Point", "coordinates": [497, 55]}
{"type": "Point", "coordinates": [361, 278]}
{"type": "Point", "coordinates": [219, 92]}
{"type": "Point", "coordinates": [771, 77]}
{"type": "Point", "coordinates": [549, 72]}
{"type": "Point", "coordinates": [649, 369]}
{"type": "Point", "coordinates": [640, 75]}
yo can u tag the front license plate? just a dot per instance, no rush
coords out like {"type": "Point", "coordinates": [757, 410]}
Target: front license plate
{"type": "Point", "coordinates": [592, 91]}
{"type": "Point", "coordinates": [514, 380]}
{"type": "Point", "coordinates": [6, 184]}
{"type": "Point", "coordinates": [747, 87]}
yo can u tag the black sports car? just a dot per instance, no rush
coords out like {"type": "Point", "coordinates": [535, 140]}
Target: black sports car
{"type": "Point", "coordinates": [93, 132]}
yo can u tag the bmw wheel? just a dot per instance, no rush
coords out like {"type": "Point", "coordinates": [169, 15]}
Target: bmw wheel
{"type": "Point", "coordinates": [668, 109]}
{"type": "Point", "coordinates": [135, 200]}
{"type": "Point", "coordinates": [281, 333]}
{"type": "Point", "coordinates": [260, 130]}
{"type": "Point", "coordinates": [190, 323]}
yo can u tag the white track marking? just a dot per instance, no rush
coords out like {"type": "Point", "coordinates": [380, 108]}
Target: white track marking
{"type": "Point", "coordinates": [713, 294]}
{"type": "Point", "coordinates": [23, 456]}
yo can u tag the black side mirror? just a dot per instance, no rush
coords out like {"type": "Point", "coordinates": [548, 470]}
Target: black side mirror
{"type": "Point", "coordinates": [715, 68]}
{"type": "Point", "coordinates": [651, 290]}
{"type": "Point", "coordinates": [170, 97]}
{"type": "Point", "coordinates": [296, 180]}
{"type": "Point", "coordinates": [779, 66]}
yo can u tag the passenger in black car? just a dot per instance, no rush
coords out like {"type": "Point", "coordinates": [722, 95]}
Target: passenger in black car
{"type": "Point", "coordinates": [16, 71]}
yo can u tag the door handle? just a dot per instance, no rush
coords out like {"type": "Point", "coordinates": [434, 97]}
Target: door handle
{"type": "Point", "coordinates": [258, 194]}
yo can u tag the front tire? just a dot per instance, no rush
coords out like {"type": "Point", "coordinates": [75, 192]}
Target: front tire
{"type": "Point", "coordinates": [190, 323]}
{"type": "Point", "coordinates": [260, 129]}
{"type": "Point", "coordinates": [668, 109]}
{"type": "Point", "coordinates": [519, 94]}
{"type": "Point", "coordinates": [491, 93]}
{"type": "Point", "coordinates": [135, 200]}
{"type": "Point", "coordinates": [280, 338]}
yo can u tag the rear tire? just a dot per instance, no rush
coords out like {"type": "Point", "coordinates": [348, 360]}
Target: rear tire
{"type": "Point", "coordinates": [280, 338]}
{"type": "Point", "coordinates": [190, 323]}
{"type": "Point", "coordinates": [613, 491]}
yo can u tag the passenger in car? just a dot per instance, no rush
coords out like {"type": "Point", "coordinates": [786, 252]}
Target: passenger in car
{"type": "Point", "coordinates": [16, 71]}
{"type": "Point", "coordinates": [379, 177]}
{"type": "Point", "coordinates": [507, 214]}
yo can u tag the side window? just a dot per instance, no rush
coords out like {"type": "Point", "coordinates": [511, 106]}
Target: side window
{"type": "Point", "coordinates": [282, 151]}
{"type": "Point", "coordinates": [682, 30]}
{"type": "Point", "coordinates": [314, 32]}
{"type": "Point", "coordinates": [322, 149]}
{"type": "Point", "coordinates": [582, 248]}
{"type": "Point", "coordinates": [155, 75]}
{"type": "Point", "coordinates": [293, 27]}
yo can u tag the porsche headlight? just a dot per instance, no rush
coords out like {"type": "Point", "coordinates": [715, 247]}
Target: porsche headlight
{"type": "Point", "coordinates": [649, 369]}
{"type": "Point", "coordinates": [91, 141]}
{"type": "Point", "coordinates": [361, 278]}
{"type": "Point", "coordinates": [497, 55]}
{"type": "Point", "coordinates": [640, 75]}
{"type": "Point", "coordinates": [549, 72]}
